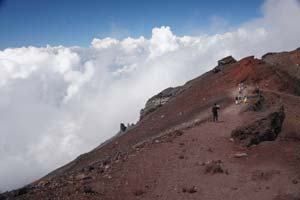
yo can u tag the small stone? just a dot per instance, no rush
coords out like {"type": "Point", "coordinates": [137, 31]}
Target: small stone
{"type": "Point", "coordinates": [82, 177]}
{"type": "Point", "coordinates": [178, 133]}
{"type": "Point", "coordinates": [295, 181]}
{"type": "Point", "coordinates": [240, 155]}
{"type": "Point", "coordinates": [214, 167]}
{"type": "Point", "coordinates": [91, 168]}
{"type": "Point", "coordinates": [189, 190]}
{"type": "Point", "coordinates": [138, 192]}
{"type": "Point", "coordinates": [43, 183]}
{"type": "Point", "coordinates": [107, 176]}
{"type": "Point", "coordinates": [88, 189]}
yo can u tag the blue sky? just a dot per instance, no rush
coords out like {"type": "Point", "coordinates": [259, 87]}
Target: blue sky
{"type": "Point", "coordinates": [77, 22]}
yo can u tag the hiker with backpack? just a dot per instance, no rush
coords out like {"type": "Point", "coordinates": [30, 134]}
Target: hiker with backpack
{"type": "Point", "coordinates": [214, 110]}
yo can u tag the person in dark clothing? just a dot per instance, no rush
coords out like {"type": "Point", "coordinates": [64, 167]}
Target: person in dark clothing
{"type": "Point", "coordinates": [215, 109]}
{"type": "Point", "coordinates": [122, 127]}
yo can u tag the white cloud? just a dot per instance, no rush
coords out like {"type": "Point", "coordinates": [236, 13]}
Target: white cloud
{"type": "Point", "coordinates": [58, 102]}
{"type": "Point", "coordinates": [104, 43]}
{"type": "Point", "coordinates": [162, 41]}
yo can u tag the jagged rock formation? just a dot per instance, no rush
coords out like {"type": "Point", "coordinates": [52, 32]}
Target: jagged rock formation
{"type": "Point", "coordinates": [265, 129]}
{"type": "Point", "coordinates": [159, 100]}
{"type": "Point", "coordinates": [227, 60]}
{"type": "Point", "coordinates": [224, 61]}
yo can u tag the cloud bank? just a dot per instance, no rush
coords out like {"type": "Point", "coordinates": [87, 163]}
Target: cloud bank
{"type": "Point", "coordinates": [59, 102]}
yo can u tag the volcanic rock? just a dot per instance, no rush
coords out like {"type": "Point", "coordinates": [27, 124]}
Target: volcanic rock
{"type": "Point", "coordinates": [88, 189]}
{"type": "Point", "coordinates": [265, 129]}
{"type": "Point", "coordinates": [214, 167]}
{"type": "Point", "coordinates": [189, 190]}
{"type": "Point", "coordinates": [227, 60]}
{"type": "Point", "coordinates": [224, 61]}
{"type": "Point", "coordinates": [139, 192]}
{"type": "Point", "coordinates": [240, 155]}
{"type": "Point", "coordinates": [159, 100]}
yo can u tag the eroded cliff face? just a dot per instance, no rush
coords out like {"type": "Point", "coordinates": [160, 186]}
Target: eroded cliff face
{"type": "Point", "coordinates": [159, 100]}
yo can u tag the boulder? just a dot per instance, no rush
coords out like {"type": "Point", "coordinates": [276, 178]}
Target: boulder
{"type": "Point", "coordinates": [214, 167]}
{"type": "Point", "coordinates": [265, 129]}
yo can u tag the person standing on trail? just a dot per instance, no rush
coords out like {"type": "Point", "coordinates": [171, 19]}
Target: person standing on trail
{"type": "Point", "coordinates": [214, 110]}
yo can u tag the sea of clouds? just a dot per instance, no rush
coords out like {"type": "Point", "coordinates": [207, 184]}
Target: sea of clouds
{"type": "Point", "coordinates": [58, 102]}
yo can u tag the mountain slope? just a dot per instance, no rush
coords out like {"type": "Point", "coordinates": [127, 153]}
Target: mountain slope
{"type": "Point", "coordinates": [176, 152]}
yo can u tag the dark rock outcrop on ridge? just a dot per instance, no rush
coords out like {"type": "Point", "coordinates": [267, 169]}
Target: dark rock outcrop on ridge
{"type": "Point", "coordinates": [159, 100]}
{"type": "Point", "coordinates": [265, 129]}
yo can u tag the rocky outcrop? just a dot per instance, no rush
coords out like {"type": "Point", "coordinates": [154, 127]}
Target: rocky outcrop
{"type": "Point", "coordinates": [224, 61]}
{"type": "Point", "coordinates": [159, 100]}
{"type": "Point", "coordinates": [266, 56]}
{"type": "Point", "coordinates": [257, 104]}
{"type": "Point", "coordinates": [227, 60]}
{"type": "Point", "coordinates": [265, 129]}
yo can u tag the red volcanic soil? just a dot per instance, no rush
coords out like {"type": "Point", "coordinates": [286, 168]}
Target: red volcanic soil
{"type": "Point", "coordinates": [177, 152]}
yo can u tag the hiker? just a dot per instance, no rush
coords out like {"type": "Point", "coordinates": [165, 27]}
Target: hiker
{"type": "Point", "coordinates": [236, 100]}
{"type": "Point", "coordinates": [122, 127]}
{"type": "Point", "coordinates": [257, 91]}
{"type": "Point", "coordinates": [245, 99]}
{"type": "Point", "coordinates": [241, 87]}
{"type": "Point", "coordinates": [215, 109]}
